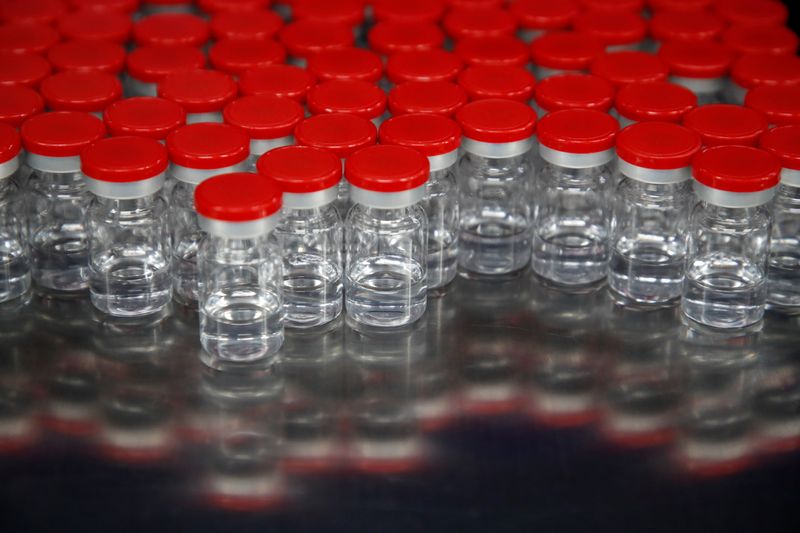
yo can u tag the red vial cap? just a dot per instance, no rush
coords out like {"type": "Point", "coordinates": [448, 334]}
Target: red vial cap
{"type": "Point", "coordinates": [725, 124]}
{"type": "Point", "coordinates": [96, 26]}
{"type": "Point", "coordinates": [387, 168]}
{"type": "Point", "coordinates": [153, 63]}
{"type": "Point", "coordinates": [278, 80]}
{"type": "Point", "coordinates": [214, 7]}
{"type": "Point", "coordinates": [679, 5]}
{"type": "Point", "coordinates": [124, 159]}
{"type": "Point", "coordinates": [655, 101]}
{"type": "Point", "coordinates": [565, 50]}
{"type": "Point", "coordinates": [305, 38]}
{"type": "Point", "coordinates": [504, 50]}
{"type": "Point", "coordinates": [389, 38]}
{"type": "Point", "coordinates": [208, 145]}
{"type": "Point", "coordinates": [171, 29]}
{"type": "Point", "coordinates": [631, 6]}
{"type": "Point", "coordinates": [235, 57]}
{"type": "Point", "coordinates": [10, 144]}
{"type": "Point", "coordinates": [32, 11]}
{"type": "Point", "coordinates": [413, 11]}
{"type": "Point", "coordinates": [766, 69]}
{"type": "Point", "coordinates": [199, 91]}
{"type": "Point", "coordinates": [431, 135]}
{"type": "Point", "coordinates": [238, 197]}
{"type": "Point", "coordinates": [495, 120]}
{"type": "Point", "coordinates": [658, 145]}
{"type": "Point", "coordinates": [301, 169]}
{"type": "Point", "coordinates": [784, 142]}
{"type": "Point", "coordinates": [19, 103]}
{"type": "Point", "coordinates": [479, 22]}
{"type": "Point", "coordinates": [612, 28]}
{"type": "Point", "coordinates": [61, 133]}
{"type": "Point", "coordinates": [116, 6]}
{"type": "Point", "coordinates": [145, 116]}
{"type": "Point", "coordinates": [622, 68]}
{"type": "Point", "coordinates": [264, 116]}
{"type": "Point", "coordinates": [346, 64]}
{"type": "Point", "coordinates": [697, 60]}
{"type": "Point", "coordinates": [348, 12]}
{"type": "Point", "coordinates": [340, 133]}
{"type": "Point", "coordinates": [747, 40]}
{"type": "Point", "coordinates": [678, 26]}
{"type": "Point", "coordinates": [250, 26]}
{"type": "Point", "coordinates": [753, 12]}
{"type": "Point", "coordinates": [514, 83]}
{"type": "Point", "coordinates": [544, 14]}
{"type": "Point", "coordinates": [779, 103]}
{"type": "Point", "coordinates": [87, 56]}
{"type": "Point", "coordinates": [426, 65]}
{"type": "Point", "coordinates": [578, 131]}
{"type": "Point", "coordinates": [19, 38]}
{"type": "Point", "coordinates": [355, 97]}
{"type": "Point", "coordinates": [23, 69]}
{"type": "Point", "coordinates": [80, 91]}
{"type": "Point", "coordinates": [736, 169]}
{"type": "Point", "coordinates": [574, 91]}
{"type": "Point", "coordinates": [429, 97]}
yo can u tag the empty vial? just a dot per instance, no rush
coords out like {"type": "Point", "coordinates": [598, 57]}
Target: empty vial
{"type": "Point", "coordinates": [438, 138]}
{"type": "Point", "coordinates": [572, 197]}
{"type": "Point", "coordinates": [783, 291]}
{"type": "Point", "coordinates": [197, 152]}
{"type": "Point", "coordinates": [495, 178]}
{"type": "Point", "coordinates": [15, 275]}
{"type": "Point", "coordinates": [241, 302]}
{"type": "Point", "coordinates": [57, 197]}
{"type": "Point", "coordinates": [386, 236]}
{"type": "Point", "coordinates": [310, 232]}
{"type": "Point", "coordinates": [129, 251]}
{"type": "Point", "coordinates": [729, 232]}
{"type": "Point", "coordinates": [651, 213]}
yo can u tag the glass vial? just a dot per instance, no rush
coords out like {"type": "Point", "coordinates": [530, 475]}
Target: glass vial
{"type": "Point", "coordinates": [15, 275]}
{"type": "Point", "coordinates": [701, 67]}
{"type": "Point", "coordinates": [129, 252]}
{"type": "Point", "coordinates": [386, 236]}
{"type": "Point", "coordinates": [310, 232]}
{"type": "Point", "coordinates": [729, 233]}
{"type": "Point", "coordinates": [240, 269]}
{"type": "Point", "coordinates": [651, 213]}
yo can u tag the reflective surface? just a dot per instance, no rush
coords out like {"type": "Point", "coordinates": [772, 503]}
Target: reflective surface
{"type": "Point", "coordinates": [509, 406]}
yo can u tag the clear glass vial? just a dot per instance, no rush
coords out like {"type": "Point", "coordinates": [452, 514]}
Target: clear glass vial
{"type": "Point", "coordinates": [197, 152]}
{"type": "Point", "coordinates": [438, 138]}
{"type": "Point", "coordinates": [729, 236]}
{"type": "Point", "coordinates": [651, 213]}
{"type": "Point", "coordinates": [386, 235]}
{"type": "Point", "coordinates": [15, 274]}
{"type": "Point", "coordinates": [129, 247]}
{"type": "Point", "coordinates": [310, 232]}
{"type": "Point", "coordinates": [495, 178]}
{"type": "Point", "coordinates": [573, 200]}
{"type": "Point", "coordinates": [240, 268]}
{"type": "Point", "coordinates": [57, 197]}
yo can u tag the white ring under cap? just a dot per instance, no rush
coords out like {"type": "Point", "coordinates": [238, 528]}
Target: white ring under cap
{"type": "Point", "coordinates": [443, 161]}
{"type": "Point", "coordinates": [790, 177]}
{"type": "Point", "coordinates": [732, 199]}
{"type": "Point", "coordinates": [624, 122]}
{"type": "Point", "coordinates": [128, 190]}
{"type": "Point", "coordinates": [386, 200]}
{"type": "Point", "coordinates": [213, 116]}
{"type": "Point", "coordinates": [736, 93]}
{"type": "Point", "coordinates": [497, 150]}
{"type": "Point", "coordinates": [7, 168]}
{"type": "Point", "coordinates": [248, 229]}
{"type": "Point", "coordinates": [699, 85]}
{"type": "Point", "coordinates": [310, 200]}
{"type": "Point", "coordinates": [142, 88]}
{"type": "Point", "coordinates": [262, 146]}
{"type": "Point", "coordinates": [56, 165]}
{"type": "Point", "coordinates": [652, 175]}
{"type": "Point", "coordinates": [570, 160]}
{"type": "Point", "coordinates": [196, 176]}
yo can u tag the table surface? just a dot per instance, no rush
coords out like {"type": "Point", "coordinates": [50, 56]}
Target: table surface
{"type": "Point", "coordinates": [510, 405]}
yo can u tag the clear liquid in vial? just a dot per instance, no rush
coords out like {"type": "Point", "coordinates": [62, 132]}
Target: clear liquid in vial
{"type": "Point", "coordinates": [184, 271]}
{"type": "Point", "coordinates": [784, 279]}
{"type": "Point", "coordinates": [131, 287]}
{"type": "Point", "coordinates": [15, 275]}
{"type": "Point", "coordinates": [61, 262]}
{"type": "Point", "coordinates": [570, 252]}
{"type": "Point", "coordinates": [312, 291]}
{"type": "Point", "coordinates": [647, 275]}
{"type": "Point", "coordinates": [386, 291]}
{"type": "Point", "coordinates": [442, 259]}
{"type": "Point", "coordinates": [493, 247]}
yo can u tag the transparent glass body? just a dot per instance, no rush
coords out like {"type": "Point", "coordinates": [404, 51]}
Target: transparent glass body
{"type": "Point", "coordinates": [494, 197]}
{"type": "Point", "coordinates": [648, 247]}
{"type": "Point", "coordinates": [726, 265]}
{"type": "Point", "coordinates": [241, 299]}
{"type": "Point", "coordinates": [572, 223]}
{"type": "Point", "coordinates": [186, 237]}
{"type": "Point", "coordinates": [784, 258]}
{"type": "Point", "coordinates": [311, 246]}
{"type": "Point", "coordinates": [387, 265]}
{"type": "Point", "coordinates": [15, 272]}
{"type": "Point", "coordinates": [441, 205]}
{"type": "Point", "coordinates": [129, 263]}
{"type": "Point", "coordinates": [59, 244]}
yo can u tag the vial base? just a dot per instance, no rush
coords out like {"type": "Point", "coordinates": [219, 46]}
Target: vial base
{"type": "Point", "coordinates": [386, 291]}
{"type": "Point", "coordinates": [312, 295]}
{"type": "Point", "coordinates": [723, 299]}
{"type": "Point", "coordinates": [442, 266]}
{"type": "Point", "coordinates": [184, 279]}
{"type": "Point", "coordinates": [61, 264]}
{"type": "Point", "coordinates": [783, 293]}
{"type": "Point", "coordinates": [15, 276]}
{"type": "Point", "coordinates": [571, 255]}
{"type": "Point", "coordinates": [131, 287]}
{"type": "Point", "coordinates": [493, 248]}
{"type": "Point", "coordinates": [646, 276]}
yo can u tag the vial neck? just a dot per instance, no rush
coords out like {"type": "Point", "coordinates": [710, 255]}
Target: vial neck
{"type": "Point", "coordinates": [730, 214]}
{"type": "Point", "coordinates": [128, 205]}
{"type": "Point", "coordinates": [499, 162]}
